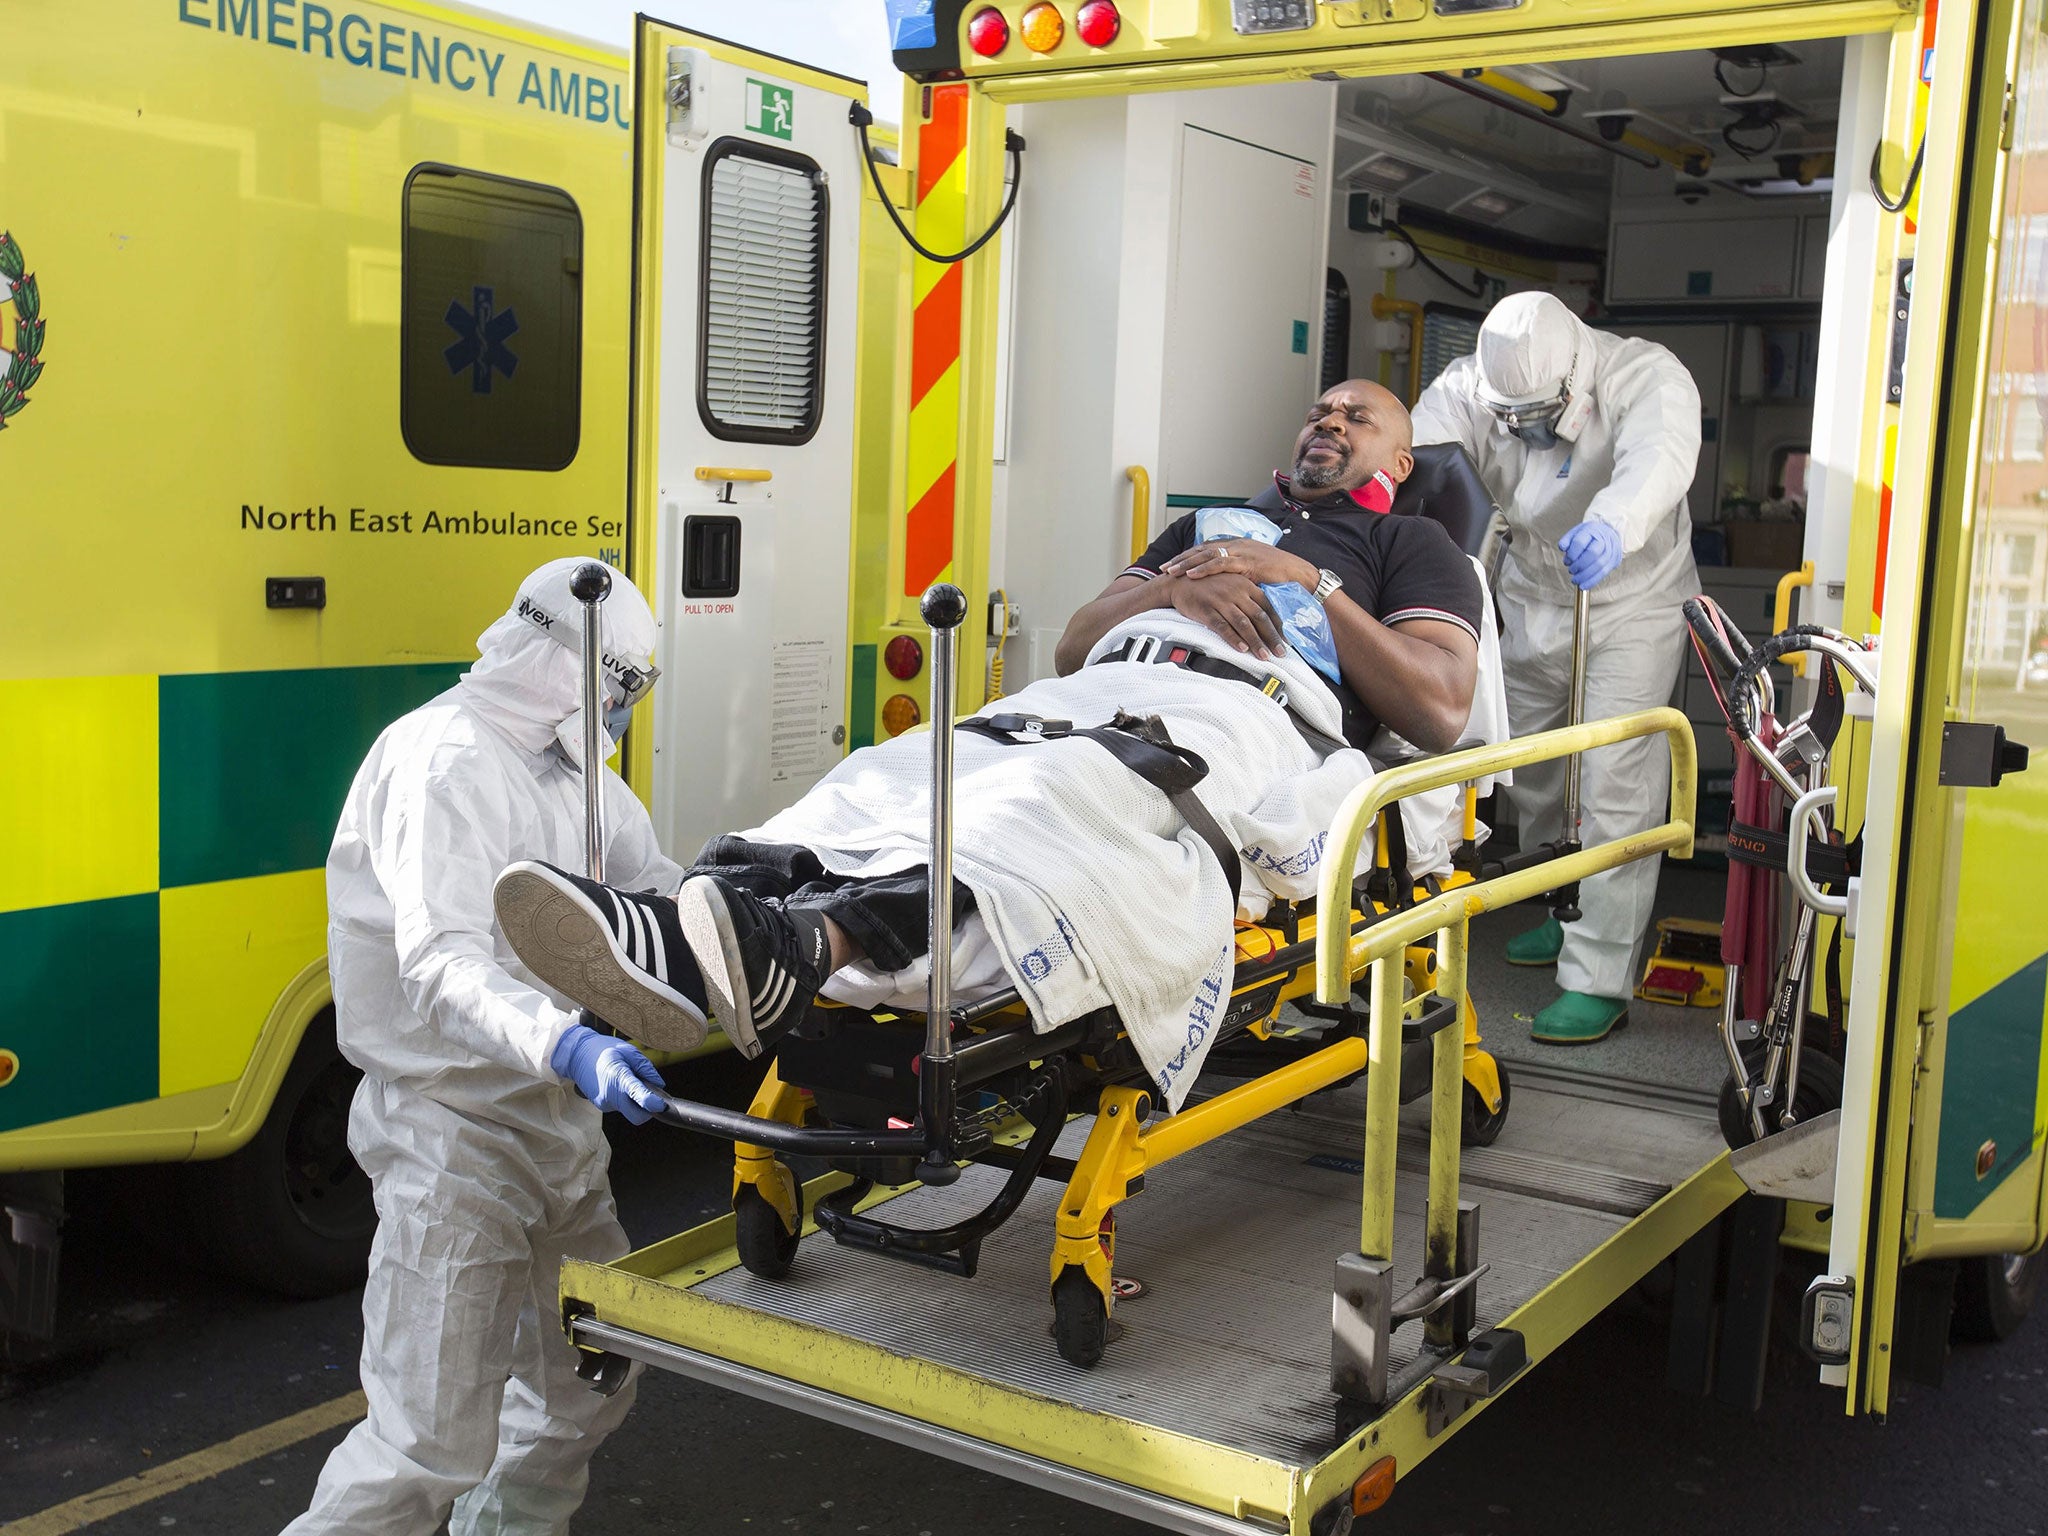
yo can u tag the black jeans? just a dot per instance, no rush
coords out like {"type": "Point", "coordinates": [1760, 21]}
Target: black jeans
{"type": "Point", "coordinates": [888, 917]}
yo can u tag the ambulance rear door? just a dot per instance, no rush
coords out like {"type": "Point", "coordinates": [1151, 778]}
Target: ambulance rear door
{"type": "Point", "coordinates": [747, 240]}
{"type": "Point", "coordinates": [1940, 1154]}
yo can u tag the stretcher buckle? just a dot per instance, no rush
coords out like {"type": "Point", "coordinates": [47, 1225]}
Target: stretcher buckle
{"type": "Point", "coordinates": [1030, 727]}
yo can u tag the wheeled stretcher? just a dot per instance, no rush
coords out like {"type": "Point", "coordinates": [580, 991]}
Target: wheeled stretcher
{"type": "Point", "coordinates": [1223, 1438]}
{"type": "Point", "coordinates": [888, 1098]}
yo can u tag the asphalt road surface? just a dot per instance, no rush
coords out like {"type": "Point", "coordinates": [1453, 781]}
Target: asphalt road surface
{"type": "Point", "coordinates": [157, 1361]}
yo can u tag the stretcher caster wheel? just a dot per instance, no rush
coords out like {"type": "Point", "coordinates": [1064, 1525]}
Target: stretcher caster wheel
{"type": "Point", "coordinates": [1482, 1125]}
{"type": "Point", "coordinates": [1080, 1318]}
{"type": "Point", "coordinates": [1820, 1090]}
{"type": "Point", "coordinates": [767, 1248]}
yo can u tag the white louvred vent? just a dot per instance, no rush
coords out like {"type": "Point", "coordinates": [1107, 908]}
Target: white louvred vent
{"type": "Point", "coordinates": [764, 291]}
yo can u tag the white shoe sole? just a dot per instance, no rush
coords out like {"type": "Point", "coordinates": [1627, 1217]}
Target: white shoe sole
{"type": "Point", "coordinates": [564, 941]}
{"type": "Point", "coordinates": [708, 930]}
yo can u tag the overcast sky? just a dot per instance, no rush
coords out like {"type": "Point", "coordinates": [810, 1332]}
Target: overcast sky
{"type": "Point", "coordinates": [850, 36]}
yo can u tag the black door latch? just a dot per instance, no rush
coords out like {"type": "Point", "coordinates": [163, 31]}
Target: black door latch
{"type": "Point", "coordinates": [1975, 755]}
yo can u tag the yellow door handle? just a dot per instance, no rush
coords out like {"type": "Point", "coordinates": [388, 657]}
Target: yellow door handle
{"type": "Point", "coordinates": [1781, 615]}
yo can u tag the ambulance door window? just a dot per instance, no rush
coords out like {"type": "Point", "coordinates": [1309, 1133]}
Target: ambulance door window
{"type": "Point", "coordinates": [491, 332]}
{"type": "Point", "coordinates": [761, 358]}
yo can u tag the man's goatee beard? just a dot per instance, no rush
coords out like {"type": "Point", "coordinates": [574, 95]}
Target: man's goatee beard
{"type": "Point", "coordinates": [1311, 477]}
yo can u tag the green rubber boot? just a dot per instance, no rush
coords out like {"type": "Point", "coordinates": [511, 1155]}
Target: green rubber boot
{"type": "Point", "coordinates": [1577, 1019]}
{"type": "Point", "coordinates": [1539, 946]}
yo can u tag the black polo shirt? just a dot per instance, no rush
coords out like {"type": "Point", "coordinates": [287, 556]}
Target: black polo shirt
{"type": "Point", "coordinates": [1394, 567]}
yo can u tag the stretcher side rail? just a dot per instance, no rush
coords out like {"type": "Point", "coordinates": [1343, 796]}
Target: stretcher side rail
{"type": "Point", "coordinates": [1365, 1308]}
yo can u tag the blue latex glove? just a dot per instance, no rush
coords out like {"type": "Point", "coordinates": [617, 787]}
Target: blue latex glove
{"type": "Point", "coordinates": [610, 1073]}
{"type": "Point", "coordinates": [1591, 552]}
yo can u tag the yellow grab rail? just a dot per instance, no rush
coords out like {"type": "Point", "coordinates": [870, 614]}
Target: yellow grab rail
{"type": "Point", "coordinates": [1363, 805]}
{"type": "Point", "coordinates": [1781, 611]}
{"type": "Point", "coordinates": [1384, 944]}
{"type": "Point", "coordinates": [745, 476]}
{"type": "Point", "coordinates": [1141, 509]}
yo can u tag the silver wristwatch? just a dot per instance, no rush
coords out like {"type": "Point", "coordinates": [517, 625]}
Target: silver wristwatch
{"type": "Point", "coordinates": [1330, 582]}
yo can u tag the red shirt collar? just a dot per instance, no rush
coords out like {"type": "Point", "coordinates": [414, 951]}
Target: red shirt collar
{"type": "Point", "coordinates": [1376, 495]}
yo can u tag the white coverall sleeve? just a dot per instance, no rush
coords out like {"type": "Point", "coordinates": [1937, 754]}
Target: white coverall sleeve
{"type": "Point", "coordinates": [1653, 408]}
{"type": "Point", "coordinates": [633, 860]}
{"type": "Point", "coordinates": [437, 847]}
{"type": "Point", "coordinates": [1449, 411]}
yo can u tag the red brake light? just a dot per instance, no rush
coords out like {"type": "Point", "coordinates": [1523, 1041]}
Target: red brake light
{"type": "Point", "coordinates": [987, 33]}
{"type": "Point", "coordinates": [903, 656]}
{"type": "Point", "coordinates": [1098, 23]}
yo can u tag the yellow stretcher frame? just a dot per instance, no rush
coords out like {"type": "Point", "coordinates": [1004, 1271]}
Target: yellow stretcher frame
{"type": "Point", "coordinates": [645, 1305]}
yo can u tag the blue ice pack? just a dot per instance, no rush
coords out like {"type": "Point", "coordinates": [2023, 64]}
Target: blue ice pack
{"type": "Point", "coordinates": [1303, 623]}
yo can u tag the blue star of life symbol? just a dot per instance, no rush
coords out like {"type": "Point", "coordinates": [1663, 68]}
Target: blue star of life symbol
{"type": "Point", "coordinates": [482, 334]}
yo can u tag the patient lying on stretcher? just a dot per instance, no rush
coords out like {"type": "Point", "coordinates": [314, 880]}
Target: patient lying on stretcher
{"type": "Point", "coordinates": [1078, 878]}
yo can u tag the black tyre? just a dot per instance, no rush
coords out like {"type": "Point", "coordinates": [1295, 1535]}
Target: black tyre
{"type": "Point", "coordinates": [1995, 1293]}
{"type": "Point", "coordinates": [1820, 1090]}
{"type": "Point", "coordinates": [767, 1248]}
{"type": "Point", "coordinates": [1080, 1318]}
{"type": "Point", "coordinates": [1482, 1125]}
{"type": "Point", "coordinates": [291, 1212]}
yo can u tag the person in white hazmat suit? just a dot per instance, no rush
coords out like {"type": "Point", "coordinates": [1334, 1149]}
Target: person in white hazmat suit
{"type": "Point", "coordinates": [1588, 443]}
{"type": "Point", "coordinates": [479, 1117]}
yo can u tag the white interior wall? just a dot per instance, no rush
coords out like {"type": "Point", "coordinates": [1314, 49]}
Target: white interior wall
{"type": "Point", "coordinates": [1093, 272]}
{"type": "Point", "coordinates": [1058, 487]}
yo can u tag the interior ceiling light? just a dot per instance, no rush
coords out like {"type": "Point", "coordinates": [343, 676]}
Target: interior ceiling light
{"type": "Point", "coordinates": [1487, 206]}
{"type": "Point", "coordinates": [1386, 173]}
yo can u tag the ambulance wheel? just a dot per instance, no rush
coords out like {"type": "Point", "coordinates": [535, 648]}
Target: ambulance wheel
{"type": "Point", "coordinates": [291, 1212]}
{"type": "Point", "coordinates": [1820, 1090]}
{"type": "Point", "coordinates": [1995, 1293]}
{"type": "Point", "coordinates": [767, 1248]}
{"type": "Point", "coordinates": [1482, 1125]}
{"type": "Point", "coordinates": [1080, 1318]}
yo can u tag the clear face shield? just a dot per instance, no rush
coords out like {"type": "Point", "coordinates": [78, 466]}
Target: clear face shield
{"type": "Point", "coordinates": [626, 683]}
{"type": "Point", "coordinates": [1542, 420]}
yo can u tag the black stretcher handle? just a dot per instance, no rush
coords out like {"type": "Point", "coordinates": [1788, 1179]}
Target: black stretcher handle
{"type": "Point", "coordinates": [1713, 644]}
{"type": "Point", "coordinates": [809, 1141]}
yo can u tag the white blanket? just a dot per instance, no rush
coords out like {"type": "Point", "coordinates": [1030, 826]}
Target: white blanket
{"type": "Point", "coordinates": [1090, 890]}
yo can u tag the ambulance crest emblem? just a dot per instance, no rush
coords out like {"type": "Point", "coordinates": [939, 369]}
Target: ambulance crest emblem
{"type": "Point", "coordinates": [21, 353]}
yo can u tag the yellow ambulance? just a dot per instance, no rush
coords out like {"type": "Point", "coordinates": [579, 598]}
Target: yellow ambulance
{"type": "Point", "coordinates": [314, 321]}
{"type": "Point", "coordinates": [1181, 217]}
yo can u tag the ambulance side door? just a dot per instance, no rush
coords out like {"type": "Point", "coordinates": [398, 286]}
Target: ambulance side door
{"type": "Point", "coordinates": [747, 240]}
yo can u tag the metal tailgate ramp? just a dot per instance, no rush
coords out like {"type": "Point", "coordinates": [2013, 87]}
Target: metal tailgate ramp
{"type": "Point", "coordinates": [1213, 1409]}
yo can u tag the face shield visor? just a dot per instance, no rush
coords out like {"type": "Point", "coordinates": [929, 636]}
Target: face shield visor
{"type": "Point", "coordinates": [626, 682]}
{"type": "Point", "coordinates": [1535, 422]}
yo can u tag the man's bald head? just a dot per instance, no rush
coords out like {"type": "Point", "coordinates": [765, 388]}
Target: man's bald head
{"type": "Point", "coordinates": [1354, 429]}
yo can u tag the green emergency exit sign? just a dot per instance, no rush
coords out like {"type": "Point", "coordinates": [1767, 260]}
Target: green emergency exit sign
{"type": "Point", "coordinates": [771, 109]}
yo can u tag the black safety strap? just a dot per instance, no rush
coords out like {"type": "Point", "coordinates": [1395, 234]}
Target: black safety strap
{"type": "Point", "coordinates": [1826, 719]}
{"type": "Point", "coordinates": [1142, 745]}
{"type": "Point", "coordinates": [1828, 863]}
{"type": "Point", "coordinates": [1148, 648]}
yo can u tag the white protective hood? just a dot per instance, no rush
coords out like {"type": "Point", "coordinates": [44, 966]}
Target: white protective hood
{"type": "Point", "coordinates": [528, 679]}
{"type": "Point", "coordinates": [1526, 348]}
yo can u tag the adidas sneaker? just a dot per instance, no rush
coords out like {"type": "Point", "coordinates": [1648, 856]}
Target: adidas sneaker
{"type": "Point", "coordinates": [621, 954]}
{"type": "Point", "coordinates": [762, 964]}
